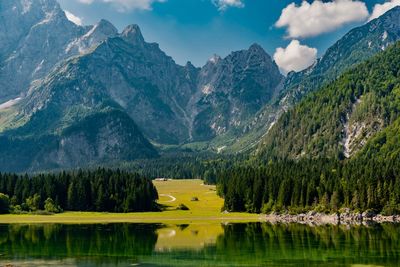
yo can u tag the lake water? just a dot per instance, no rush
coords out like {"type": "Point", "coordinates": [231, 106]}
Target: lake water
{"type": "Point", "coordinates": [252, 244]}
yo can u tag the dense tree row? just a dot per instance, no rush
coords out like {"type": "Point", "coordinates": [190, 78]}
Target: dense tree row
{"type": "Point", "coordinates": [100, 190]}
{"type": "Point", "coordinates": [322, 185]}
{"type": "Point", "coordinates": [181, 166]}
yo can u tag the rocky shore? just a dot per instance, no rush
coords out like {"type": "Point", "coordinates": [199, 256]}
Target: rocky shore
{"type": "Point", "coordinates": [345, 218]}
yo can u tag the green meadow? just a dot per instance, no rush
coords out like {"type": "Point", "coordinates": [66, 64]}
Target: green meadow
{"type": "Point", "coordinates": [172, 193]}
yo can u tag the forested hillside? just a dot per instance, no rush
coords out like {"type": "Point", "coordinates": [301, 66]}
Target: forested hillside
{"type": "Point", "coordinates": [338, 120]}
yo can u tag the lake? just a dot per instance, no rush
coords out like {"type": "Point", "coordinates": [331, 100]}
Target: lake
{"type": "Point", "coordinates": [248, 244]}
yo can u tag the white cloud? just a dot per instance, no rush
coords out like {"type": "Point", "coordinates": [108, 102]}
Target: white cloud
{"type": "Point", "coordinates": [224, 4]}
{"type": "Point", "coordinates": [295, 57]}
{"type": "Point", "coordinates": [126, 5]}
{"type": "Point", "coordinates": [75, 19]}
{"type": "Point", "coordinates": [319, 17]}
{"type": "Point", "coordinates": [380, 9]}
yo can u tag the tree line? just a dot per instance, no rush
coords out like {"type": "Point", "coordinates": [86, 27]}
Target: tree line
{"type": "Point", "coordinates": [100, 190]}
{"type": "Point", "coordinates": [322, 185]}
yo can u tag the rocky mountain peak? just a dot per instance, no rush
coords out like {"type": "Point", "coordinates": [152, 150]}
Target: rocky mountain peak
{"type": "Point", "coordinates": [215, 59]}
{"type": "Point", "coordinates": [133, 35]}
{"type": "Point", "coordinates": [256, 48]}
{"type": "Point", "coordinates": [98, 33]}
{"type": "Point", "coordinates": [106, 27]}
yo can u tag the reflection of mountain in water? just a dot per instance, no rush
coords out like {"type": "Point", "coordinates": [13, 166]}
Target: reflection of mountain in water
{"type": "Point", "coordinates": [193, 236]}
{"type": "Point", "coordinates": [253, 244]}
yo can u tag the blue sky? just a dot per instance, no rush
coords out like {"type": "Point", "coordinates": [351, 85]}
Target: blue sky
{"type": "Point", "coordinates": [194, 30]}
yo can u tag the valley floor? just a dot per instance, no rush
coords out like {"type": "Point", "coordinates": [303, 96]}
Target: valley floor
{"type": "Point", "coordinates": [172, 193]}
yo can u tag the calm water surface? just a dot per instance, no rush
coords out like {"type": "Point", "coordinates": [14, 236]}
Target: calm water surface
{"type": "Point", "coordinates": [252, 244]}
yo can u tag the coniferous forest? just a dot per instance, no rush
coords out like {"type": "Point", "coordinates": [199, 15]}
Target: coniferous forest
{"type": "Point", "coordinates": [320, 185]}
{"type": "Point", "coordinates": [101, 190]}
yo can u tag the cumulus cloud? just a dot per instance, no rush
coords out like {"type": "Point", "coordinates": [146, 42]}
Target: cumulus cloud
{"type": "Point", "coordinates": [308, 20]}
{"type": "Point", "coordinates": [224, 4]}
{"type": "Point", "coordinates": [126, 5]}
{"type": "Point", "coordinates": [295, 57]}
{"type": "Point", "coordinates": [75, 19]}
{"type": "Point", "coordinates": [380, 9]}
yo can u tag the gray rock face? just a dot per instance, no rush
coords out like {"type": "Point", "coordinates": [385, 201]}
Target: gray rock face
{"type": "Point", "coordinates": [63, 74]}
{"type": "Point", "coordinates": [35, 36]}
{"type": "Point", "coordinates": [172, 104]}
{"type": "Point", "coordinates": [232, 90]}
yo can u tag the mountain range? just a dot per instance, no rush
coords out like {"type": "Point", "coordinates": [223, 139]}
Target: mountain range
{"type": "Point", "coordinates": [80, 95]}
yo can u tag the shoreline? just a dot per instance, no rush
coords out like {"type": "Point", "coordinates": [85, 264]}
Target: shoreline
{"type": "Point", "coordinates": [348, 218]}
{"type": "Point", "coordinates": [311, 218]}
{"type": "Point", "coordinates": [167, 217]}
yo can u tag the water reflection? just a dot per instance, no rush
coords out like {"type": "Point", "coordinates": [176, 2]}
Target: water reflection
{"type": "Point", "coordinates": [193, 236]}
{"type": "Point", "coordinates": [253, 244]}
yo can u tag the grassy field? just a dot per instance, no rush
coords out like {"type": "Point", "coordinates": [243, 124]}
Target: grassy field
{"type": "Point", "coordinates": [172, 193]}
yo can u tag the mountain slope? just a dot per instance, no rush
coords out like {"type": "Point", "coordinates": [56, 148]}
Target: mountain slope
{"type": "Point", "coordinates": [34, 37]}
{"type": "Point", "coordinates": [232, 90]}
{"type": "Point", "coordinates": [103, 137]}
{"type": "Point", "coordinates": [355, 47]}
{"type": "Point", "coordinates": [338, 120]}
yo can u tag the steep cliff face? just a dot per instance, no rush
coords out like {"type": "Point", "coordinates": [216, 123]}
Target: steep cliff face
{"type": "Point", "coordinates": [145, 82]}
{"type": "Point", "coordinates": [35, 36]}
{"type": "Point", "coordinates": [233, 89]}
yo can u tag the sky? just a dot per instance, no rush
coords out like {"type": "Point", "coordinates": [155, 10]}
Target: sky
{"type": "Point", "coordinates": [293, 32]}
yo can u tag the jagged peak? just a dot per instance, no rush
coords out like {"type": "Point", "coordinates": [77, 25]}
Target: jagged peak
{"type": "Point", "coordinates": [189, 65]}
{"type": "Point", "coordinates": [132, 34]}
{"type": "Point", "coordinates": [214, 59]}
{"type": "Point", "coordinates": [256, 47]}
{"type": "Point", "coordinates": [105, 24]}
{"type": "Point", "coordinates": [104, 27]}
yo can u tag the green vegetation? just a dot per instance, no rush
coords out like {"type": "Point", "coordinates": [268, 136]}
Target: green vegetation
{"type": "Point", "coordinates": [4, 203]}
{"type": "Point", "coordinates": [100, 190]}
{"type": "Point", "coordinates": [179, 166]}
{"type": "Point", "coordinates": [171, 194]}
{"type": "Point", "coordinates": [366, 98]}
{"type": "Point", "coordinates": [289, 172]}
{"type": "Point", "coordinates": [320, 185]}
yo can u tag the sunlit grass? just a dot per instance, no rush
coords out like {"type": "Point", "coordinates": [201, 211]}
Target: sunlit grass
{"type": "Point", "coordinates": [206, 210]}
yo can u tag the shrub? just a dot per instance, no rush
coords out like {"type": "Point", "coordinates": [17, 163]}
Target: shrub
{"type": "Point", "coordinates": [50, 206]}
{"type": "Point", "coordinates": [33, 202]}
{"type": "Point", "coordinates": [182, 207]}
{"type": "Point", "coordinates": [389, 210]}
{"type": "Point", "coordinates": [267, 207]}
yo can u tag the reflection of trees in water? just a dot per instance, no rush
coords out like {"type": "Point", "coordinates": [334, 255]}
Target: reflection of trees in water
{"type": "Point", "coordinates": [267, 242]}
{"type": "Point", "coordinates": [78, 241]}
{"type": "Point", "coordinates": [250, 244]}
